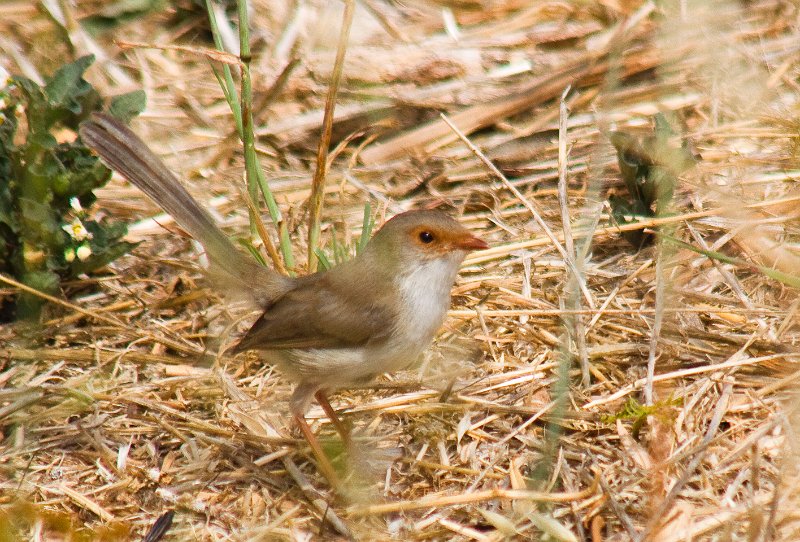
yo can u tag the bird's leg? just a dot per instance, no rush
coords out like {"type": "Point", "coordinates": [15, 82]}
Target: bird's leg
{"type": "Point", "coordinates": [344, 432]}
{"type": "Point", "coordinates": [298, 405]}
{"type": "Point", "coordinates": [325, 465]}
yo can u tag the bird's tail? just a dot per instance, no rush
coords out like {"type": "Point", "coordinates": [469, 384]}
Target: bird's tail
{"type": "Point", "coordinates": [125, 152]}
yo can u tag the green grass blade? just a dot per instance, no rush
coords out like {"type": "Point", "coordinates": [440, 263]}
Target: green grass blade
{"type": "Point", "coordinates": [324, 262]}
{"type": "Point", "coordinates": [780, 276]}
{"type": "Point", "coordinates": [367, 224]}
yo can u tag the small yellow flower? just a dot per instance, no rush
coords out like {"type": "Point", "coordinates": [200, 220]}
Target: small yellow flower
{"type": "Point", "coordinates": [69, 255]}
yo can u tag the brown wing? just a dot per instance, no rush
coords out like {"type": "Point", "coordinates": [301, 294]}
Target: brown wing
{"type": "Point", "coordinates": [323, 312]}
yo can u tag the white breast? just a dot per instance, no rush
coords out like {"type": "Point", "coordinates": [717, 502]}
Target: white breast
{"type": "Point", "coordinates": [425, 292]}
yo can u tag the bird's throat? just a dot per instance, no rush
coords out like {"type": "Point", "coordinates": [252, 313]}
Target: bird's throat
{"type": "Point", "coordinates": [425, 295]}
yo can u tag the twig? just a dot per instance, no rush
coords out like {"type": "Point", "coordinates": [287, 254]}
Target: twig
{"type": "Point", "coordinates": [87, 504]}
{"type": "Point", "coordinates": [683, 373]}
{"type": "Point", "coordinates": [623, 516]}
{"type": "Point", "coordinates": [563, 114]}
{"type": "Point", "coordinates": [501, 251]}
{"type": "Point", "coordinates": [388, 202]}
{"type": "Point", "coordinates": [314, 497]}
{"type": "Point", "coordinates": [716, 418]}
{"type": "Point", "coordinates": [738, 515]}
{"type": "Point", "coordinates": [437, 500]}
{"type": "Point", "coordinates": [468, 313]}
{"type": "Point", "coordinates": [434, 135]}
{"type": "Point", "coordinates": [318, 184]}
{"type": "Point", "coordinates": [517, 430]}
{"type": "Point", "coordinates": [655, 332]}
{"type": "Point", "coordinates": [604, 307]}
{"type": "Point", "coordinates": [214, 55]}
{"type": "Point", "coordinates": [731, 280]}
{"type": "Point", "coordinates": [265, 238]}
{"type": "Point", "coordinates": [539, 220]}
{"type": "Point", "coordinates": [52, 299]}
{"type": "Point", "coordinates": [86, 355]}
{"type": "Point", "coordinates": [575, 327]}
{"type": "Point", "coordinates": [186, 347]}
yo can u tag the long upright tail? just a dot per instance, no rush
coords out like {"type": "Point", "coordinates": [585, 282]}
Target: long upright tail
{"type": "Point", "coordinates": [126, 153]}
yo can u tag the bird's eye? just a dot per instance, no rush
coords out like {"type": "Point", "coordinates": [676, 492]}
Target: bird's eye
{"type": "Point", "coordinates": [426, 237]}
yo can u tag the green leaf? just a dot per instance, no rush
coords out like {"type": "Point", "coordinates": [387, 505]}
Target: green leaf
{"type": "Point", "coordinates": [8, 126]}
{"type": "Point", "coordinates": [633, 163]}
{"type": "Point", "coordinates": [127, 106]}
{"type": "Point", "coordinates": [650, 167]}
{"type": "Point", "coordinates": [112, 14]}
{"type": "Point", "coordinates": [68, 82]}
{"type": "Point", "coordinates": [624, 212]}
{"type": "Point", "coordinates": [83, 173]}
{"type": "Point", "coordinates": [661, 187]}
{"type": "Point", "coordinates": [650, 170]}
{"type": "Point", "coordinates": [37, 172]}
{"type": "Point", "coordinates": [70, 97]}
{"type": "Point", "coordinates": [254, 252]}
{"type": "Point", "coordinates": [663, 130]}
{"type": "Point", "coordinates": [30, 305]}
{"type": "Point", "coordinates": [39, 225]}
{"type": "Point", "coordinates": [43, 281]}
{"type": "Point", "coordinates": [324, 262]}
{"type": "Point", "coordinates": [8, 151]}
{"type": "Point", "coordinates": [367, 225]}
{"type": "Point", "coordinates": [37, 106]}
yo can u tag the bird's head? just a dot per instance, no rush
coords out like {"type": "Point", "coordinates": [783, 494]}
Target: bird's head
{"type": "Point", "coordinates": [415, 238]}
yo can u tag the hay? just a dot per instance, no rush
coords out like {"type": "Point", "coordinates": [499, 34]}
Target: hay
{"type": "Point", "coordinates": [119, 408]}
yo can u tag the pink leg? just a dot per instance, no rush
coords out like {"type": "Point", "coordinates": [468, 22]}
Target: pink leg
{"type": "Point", "coordinates": [344, 432]}
{"type": "Point", "coordinates": [325, 465]}
{"type": "Point", "coordinates": [298, 404]}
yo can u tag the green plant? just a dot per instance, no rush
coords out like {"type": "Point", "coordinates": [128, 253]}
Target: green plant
{"type": "Point", "coordinates": [241, 107]}
{"type": "Point", "coordinates": [341, 252]}
{"type": "Point", "coordinates": [114, 13]}
{"type": "Point", "coordinates": [650, 169]}
{"type": "Point", "coordinates": [47, 179]}
{"type": "Point", "coordinates": [636, 412]}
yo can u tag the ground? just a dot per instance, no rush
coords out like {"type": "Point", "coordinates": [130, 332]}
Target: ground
{"type": "Point", "coordinates": [534, 411]}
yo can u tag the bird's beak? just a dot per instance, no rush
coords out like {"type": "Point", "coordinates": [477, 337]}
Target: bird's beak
{"type": "Point", "coordinates": [470, 242]}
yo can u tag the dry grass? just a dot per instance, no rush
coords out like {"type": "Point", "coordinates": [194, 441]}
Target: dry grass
{"type": "Point", "coordinates": [122, 410]}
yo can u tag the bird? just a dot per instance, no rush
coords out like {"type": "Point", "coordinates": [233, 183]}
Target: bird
{"type": "Point", "coordinates": [373, 314]}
